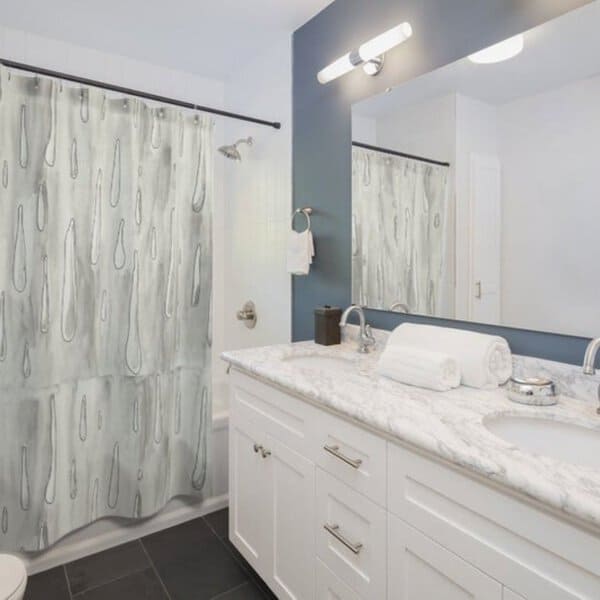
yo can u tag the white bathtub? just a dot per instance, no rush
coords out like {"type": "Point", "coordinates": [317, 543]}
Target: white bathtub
{"type": "Point", "coordinates": [106, 533]}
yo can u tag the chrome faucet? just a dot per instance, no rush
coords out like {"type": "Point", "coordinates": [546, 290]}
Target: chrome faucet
{"type": "Point", "coordinates": [400, 307]}
{"type": "Point", "coordinates": [589, 361]}
{"type": "Point", "coordinates": [365, 337]}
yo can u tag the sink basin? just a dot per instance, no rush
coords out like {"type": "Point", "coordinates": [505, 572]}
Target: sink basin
{"type": "Point", "coordinates": [323, 363]}
{"type": "Point", "coordinates": [557, 439]}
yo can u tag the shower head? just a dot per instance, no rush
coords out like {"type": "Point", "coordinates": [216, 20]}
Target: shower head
{"type": "Point", "coordinates": [232, 151]}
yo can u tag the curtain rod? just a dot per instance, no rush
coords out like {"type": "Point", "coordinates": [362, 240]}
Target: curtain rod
{"type": "Point", "coordinates": [404, 155]}
{"type": "Point", "coordinates": [131, 92]}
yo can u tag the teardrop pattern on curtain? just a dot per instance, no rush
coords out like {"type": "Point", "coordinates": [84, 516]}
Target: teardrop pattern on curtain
{"type": "Point", "coordinates": [105, 300]}
{"type": "Point", "coordinates": [41, 212]}
{"type": "Point", "coordinates": [19, 270]}
{"type": "Point", "coordinates": [45, 302]}
{"type": "Point", "coordinates": [115, 180]}
{"type": "Point", "coordinates": [69, 289]}
{"type": "Point", "coordinates": [97, 221]}
{"type": "Point", "coordinates": [399, 229]}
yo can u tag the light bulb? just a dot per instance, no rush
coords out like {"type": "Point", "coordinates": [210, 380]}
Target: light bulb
{"type": "Point", "coordinates": [385, 41]}
{"type": "Point", "coordinates": [336, 69]}
{"type": "Point", "coordinates": [498, 52]}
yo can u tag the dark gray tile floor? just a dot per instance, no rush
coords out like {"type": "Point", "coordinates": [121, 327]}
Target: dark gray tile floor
{"type": "Point", "coordinates": [192, 561]}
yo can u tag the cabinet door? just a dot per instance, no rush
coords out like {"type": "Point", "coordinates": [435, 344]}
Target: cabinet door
{"type": "Point", "coordinates": [291, 511]}
{"type": "Point", "coordinates": [331, 587]}
{"type": "Point", "coordinates": [419, 568]}
{"type": "Point", "coordinates": [248, 480]}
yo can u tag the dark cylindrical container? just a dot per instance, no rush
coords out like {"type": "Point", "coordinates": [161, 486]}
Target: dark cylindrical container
{"type": "Point", "coordinates": [327, 325]}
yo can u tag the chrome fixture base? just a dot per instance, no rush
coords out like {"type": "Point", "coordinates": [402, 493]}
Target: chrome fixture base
{"type": "Point", "coordinates": [374, 66]}
{"type": "Point", "coordinates": [248, 315]}
{"type": "Point", "coordinates": [533, 391]}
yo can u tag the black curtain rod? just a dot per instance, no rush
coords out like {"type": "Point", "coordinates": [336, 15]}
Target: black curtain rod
{"type": "Point", "coordinates": [130, 92]}
{"type": "Point", "coordinates": [404, 155]}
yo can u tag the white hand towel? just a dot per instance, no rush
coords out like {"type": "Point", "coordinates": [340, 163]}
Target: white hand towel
{"type": "Point", "coordinates": [484, 361]}
{"type": "Point", "coordinates": [423, 368]}
{"type": "Point", "coordinates": [300, 252]}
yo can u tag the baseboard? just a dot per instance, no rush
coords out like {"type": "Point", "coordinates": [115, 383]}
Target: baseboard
{"type": "Point", "coordinates": [72, 547]}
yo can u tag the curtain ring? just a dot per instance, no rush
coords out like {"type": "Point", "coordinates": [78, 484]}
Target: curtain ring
{"type": "Point", "coordinates": [306, 211]}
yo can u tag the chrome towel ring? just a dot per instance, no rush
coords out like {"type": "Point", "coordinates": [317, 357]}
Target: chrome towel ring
{"type": "Point", "coordinates": [306, 211]}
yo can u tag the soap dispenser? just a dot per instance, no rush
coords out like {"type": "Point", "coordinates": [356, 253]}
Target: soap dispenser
{"type": "Point", "coordinates": [327, 325]}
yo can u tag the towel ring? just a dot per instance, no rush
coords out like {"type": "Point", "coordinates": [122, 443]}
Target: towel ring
{"type": "Point", "coordinates": [306, 211]}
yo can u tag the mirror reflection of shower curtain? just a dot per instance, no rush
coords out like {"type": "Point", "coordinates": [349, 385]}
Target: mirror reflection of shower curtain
{"type": "Point", "coordinates": [105, 293]}
{"type": "Point", "coordinates": [399, 232]}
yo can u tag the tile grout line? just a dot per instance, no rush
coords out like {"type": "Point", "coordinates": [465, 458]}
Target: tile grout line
{"type": "Point", "coordinates": [154, 569]}
{"type": "Point", "coordinates": [104, 583]}
{"type": "Point", "coordinates": [245, 566]}
{"type": "Point", "coordinates": [223, 594]}
{"type": "Point", "coordinates": [64, 568]}
{"type": "Point", "coordinates": [108, 582]}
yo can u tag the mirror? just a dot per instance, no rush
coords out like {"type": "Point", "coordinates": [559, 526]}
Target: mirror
{"type": "Point", "coordinates": [476, 187]}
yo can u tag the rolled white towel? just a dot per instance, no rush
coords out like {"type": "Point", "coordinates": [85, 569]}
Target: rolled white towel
{"type": "Point", "coordinates": [423, 368]}
{"type": "Point", "coordinates": [484, 361]}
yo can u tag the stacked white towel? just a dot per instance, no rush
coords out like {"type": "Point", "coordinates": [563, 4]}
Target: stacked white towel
{"type": "Point", "coordinates": [484, 361]}
{"type": "Point", "coordinates": [300, 252]}
{"type": "Point", "coordinates": [423, 368]}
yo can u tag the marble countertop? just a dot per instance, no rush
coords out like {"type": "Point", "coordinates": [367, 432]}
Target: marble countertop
{"type": "Point", "coordinates": [447, 424]}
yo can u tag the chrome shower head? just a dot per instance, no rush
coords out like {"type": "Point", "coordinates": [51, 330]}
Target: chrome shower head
{"type": "Point", "coordinates": [232, 151]}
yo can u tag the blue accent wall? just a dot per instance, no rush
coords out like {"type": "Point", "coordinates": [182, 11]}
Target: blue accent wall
{"type": "Point", "coordinates": [444, 31]}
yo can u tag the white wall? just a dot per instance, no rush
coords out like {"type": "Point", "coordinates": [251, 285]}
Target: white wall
{"type": "Point", "coordinates": [550, 151]}
{"type": "Point", "coordinates": [426, 129]}
{"type": "Point", "coordinates": [364, 129]}
{"type": "Point", "coordinates": [258, 200]}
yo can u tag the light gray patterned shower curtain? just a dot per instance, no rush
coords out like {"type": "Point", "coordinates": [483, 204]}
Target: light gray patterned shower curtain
{"type": "Point", "coordinates": [399, 232]}
{"type": "Point", "coordinates": [105, 293]}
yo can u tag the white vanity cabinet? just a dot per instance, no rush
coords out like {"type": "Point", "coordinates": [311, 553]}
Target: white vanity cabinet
{"type": "Point", "coordinates": [272, 499]}
{"type": "Point", "coordinates": [323, 508]}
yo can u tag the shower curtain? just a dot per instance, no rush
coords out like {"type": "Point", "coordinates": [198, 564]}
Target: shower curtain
{"type": "Point", "coordinates": [105, 294]}
{"type": "Point", "coordinates": [399, 232]}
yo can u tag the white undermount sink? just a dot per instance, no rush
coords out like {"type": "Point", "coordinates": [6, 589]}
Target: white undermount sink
{"type": "Point", "coordinates": [563, 441]}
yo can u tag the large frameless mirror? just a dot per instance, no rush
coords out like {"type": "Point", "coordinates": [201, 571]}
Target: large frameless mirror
{"type": "Point", "coordinates": [476, 187]}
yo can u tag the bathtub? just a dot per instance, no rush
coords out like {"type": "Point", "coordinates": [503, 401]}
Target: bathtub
{"type": "Point", "coordinates": [110, 532]}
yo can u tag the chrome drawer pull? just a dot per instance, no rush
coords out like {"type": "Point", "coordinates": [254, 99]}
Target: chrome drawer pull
{"type": "Point", "coordinates": [334, 530]}
{"type": "Point", "coordinates": [335, 451]}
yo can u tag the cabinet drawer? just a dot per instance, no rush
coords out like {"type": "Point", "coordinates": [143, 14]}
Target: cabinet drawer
{"type": "Point", "coordinates": [419, 569]}
{"type": "Point", "coordinates": [273, 411]}
{"type": "Point", "coordinates": [352, 454]}
{"type": "Point", "coordinates": [331, 587]}
{"type": "Point", "coordinates": [532, 552]}
{"type": "Point", "coordinates": [351, 536]}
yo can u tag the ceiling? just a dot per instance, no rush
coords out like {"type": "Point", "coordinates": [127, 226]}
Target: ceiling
{"type": "Point", "coordinates": [211, 39]}
{"type": "Point", "coordinates": [561, 51]}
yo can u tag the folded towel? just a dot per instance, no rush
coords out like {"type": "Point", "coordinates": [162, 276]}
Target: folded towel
{"type": "Point", "coordinates": [484, 361]}
{"type": "Point", "coordinates": [300, 252]}
{"type": "Point", "coordinates": [423, 368]}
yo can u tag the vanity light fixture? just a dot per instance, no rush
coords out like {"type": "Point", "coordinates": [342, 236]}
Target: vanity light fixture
{"type": "Point", "coordinates": [499, 52]}
{"type": "Point", "coordinates": [369, 55]}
